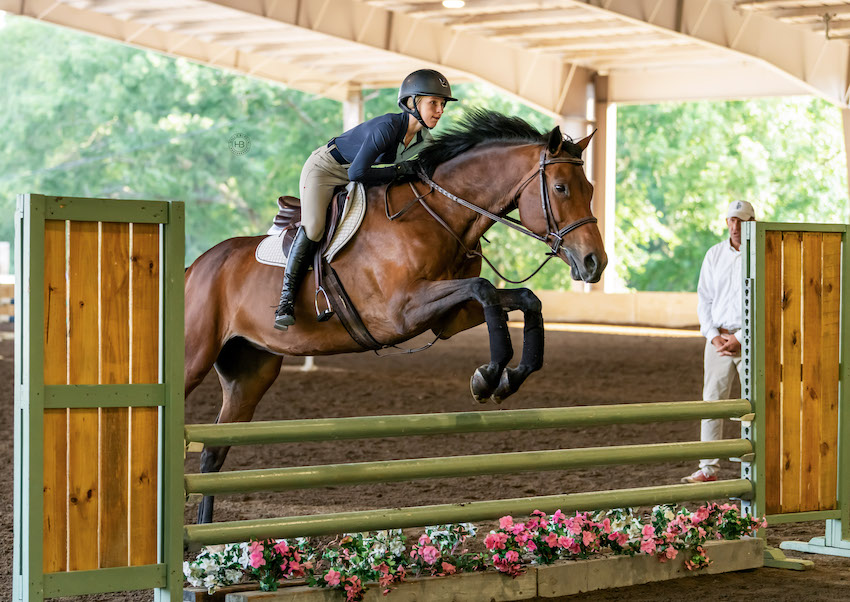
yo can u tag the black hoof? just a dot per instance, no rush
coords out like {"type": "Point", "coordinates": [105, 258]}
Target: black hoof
{"type": "Point", "coordinates": [506, 386]}
{"type": "Point", "coordinates": [482, 384]}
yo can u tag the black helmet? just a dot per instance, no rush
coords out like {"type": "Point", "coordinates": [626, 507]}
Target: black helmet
{"type": "Point", "coordinates": [424, 82]}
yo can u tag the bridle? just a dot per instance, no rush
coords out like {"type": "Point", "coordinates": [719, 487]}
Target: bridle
{"type": "Point", "coordinates": [556, 235]}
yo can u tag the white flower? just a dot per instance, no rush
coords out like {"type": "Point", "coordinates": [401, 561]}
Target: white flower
{"type": "Point", "coordinates": [669, 514]}
{"type": "Point", "coordinates": [210, 582]}
{"type": "Point", "coordinates": [233, 576]}
{"type": "Point", "coordinates": [208, 565]}
{"type": "Point", "coordinates": [397, 547]}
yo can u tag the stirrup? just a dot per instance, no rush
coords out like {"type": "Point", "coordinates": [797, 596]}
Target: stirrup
{"type": "Point", "coordinates": [327, 313]}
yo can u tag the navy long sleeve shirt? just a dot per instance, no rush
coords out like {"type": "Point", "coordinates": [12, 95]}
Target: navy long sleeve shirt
{"type": "Point", "coordinates": [379, 141]}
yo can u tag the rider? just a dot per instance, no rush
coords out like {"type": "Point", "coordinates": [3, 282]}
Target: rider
{"type": "Point", "coordinates": [392, 139]}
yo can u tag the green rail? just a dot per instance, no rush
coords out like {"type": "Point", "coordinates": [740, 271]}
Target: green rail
{"type": "Point", "coordinates": [304, 477]}
{"type": "Point", "coordinates": [399, 518]}
{"type": "Point", "coordinates": [374, 427]}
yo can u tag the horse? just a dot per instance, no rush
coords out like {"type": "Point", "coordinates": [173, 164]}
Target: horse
{"type": "Point", "coordinates": [417, 272]}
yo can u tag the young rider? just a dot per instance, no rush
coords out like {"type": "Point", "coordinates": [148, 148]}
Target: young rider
{"type": "Point", "coordinates": [392, 140]}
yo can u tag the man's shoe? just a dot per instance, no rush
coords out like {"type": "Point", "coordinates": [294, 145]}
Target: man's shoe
{"type": "Point", "coordinates": [699, 477]}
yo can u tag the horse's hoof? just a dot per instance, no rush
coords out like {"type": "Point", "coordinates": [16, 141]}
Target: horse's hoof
{"type": "Point", "coordinates": [505, 388]}
{"type": "Point", "coordinates": [479, 387]}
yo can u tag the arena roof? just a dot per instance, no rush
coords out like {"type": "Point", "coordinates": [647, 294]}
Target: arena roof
{"type": "Point", "coordinates": [542, 51]}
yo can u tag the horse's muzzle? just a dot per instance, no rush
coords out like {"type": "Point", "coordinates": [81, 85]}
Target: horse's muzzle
{"type": "Point", "coordinates": [590, 268]}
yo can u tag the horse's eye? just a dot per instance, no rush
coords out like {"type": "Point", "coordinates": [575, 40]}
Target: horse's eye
{"type": "Point", "coordinates": [562, 188]}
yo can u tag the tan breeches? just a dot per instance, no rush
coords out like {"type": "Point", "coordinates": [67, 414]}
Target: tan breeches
{"type": "Point", "coordinates": [319, 176]}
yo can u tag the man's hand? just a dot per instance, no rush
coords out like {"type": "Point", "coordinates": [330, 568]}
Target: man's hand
{"type": "Point", "coordinates": [726, 344]}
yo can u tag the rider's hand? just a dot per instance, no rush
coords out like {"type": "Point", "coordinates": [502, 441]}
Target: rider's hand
{"type": "Point", "coordinates": [406, 170]}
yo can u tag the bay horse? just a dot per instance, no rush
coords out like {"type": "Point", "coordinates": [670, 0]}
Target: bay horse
{"type": "Point", "coordinates": [406, 276]}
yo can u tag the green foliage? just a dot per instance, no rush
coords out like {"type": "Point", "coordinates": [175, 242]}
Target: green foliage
{"type": "Point", "coordinates": [680, 164]}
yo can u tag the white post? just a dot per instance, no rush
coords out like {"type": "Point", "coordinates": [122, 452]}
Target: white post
{"type": "Point", "coordinates": [604, 175]}
{"type": "Point", "coordinates": [5, 255]}
{"type": "Point", "coordinates": [845, 120]}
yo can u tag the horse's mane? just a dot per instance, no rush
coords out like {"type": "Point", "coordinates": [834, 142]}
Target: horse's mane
{"type": "Point", "coordinates": [478, 126]}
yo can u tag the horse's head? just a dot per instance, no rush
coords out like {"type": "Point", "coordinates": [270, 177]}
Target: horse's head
{"type": "Point", "coordinates": [558, 207]}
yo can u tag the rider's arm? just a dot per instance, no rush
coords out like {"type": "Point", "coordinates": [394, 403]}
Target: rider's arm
{"type": "Point", "coordinates": [381, 138]}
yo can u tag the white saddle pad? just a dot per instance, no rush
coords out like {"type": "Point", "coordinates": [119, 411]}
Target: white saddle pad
{"type": "Point", "coordinates": [270, 249]}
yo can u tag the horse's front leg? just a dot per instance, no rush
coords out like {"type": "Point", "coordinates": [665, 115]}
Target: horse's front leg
{"type": "Point", "coordinates": [434, 299]}
{"type": "Point", "coordinates": [532, 342]}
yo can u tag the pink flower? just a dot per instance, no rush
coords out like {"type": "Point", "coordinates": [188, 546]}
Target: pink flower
{"type": "Point", "coordinates": [332, 578]}
{"type": "Point", "coordinates": [281, 547]}
{"type": "Point", "coordinates": [647, 546]}
{"type": "Point", "coordinates": [558, 517]}
{"type": "Point", "coordinates": [495, 541]}
{"type": "Point", "coordinates": [530, 546]}
{"type": "Point", "coordinates": [670, 553]}
{"type": "Point", "coordinates": [256, 558]}
{"type": "Point", "coordinates": [430, 554]}
{"type": "Point", "coordinates": [606, 525]}
{"type": "Point", "coordinates": [511, 556]}
{"type": "Point", "coordinates": [424, 540]}
{"type": "Point", "coordinates": [506, 522]}
{"type": "Point", "coordinates": [619, 537]}
{"type": "Point", "coordinates": [700, 515]}
{"type": "Point", "coordinates": [648, 531]}
{"type": "Point", "coordinates": [588, 538]}
{"type": "Point", "coordinates": [517, 528]}
{"type": "Point", "coordinates": [448, 568]}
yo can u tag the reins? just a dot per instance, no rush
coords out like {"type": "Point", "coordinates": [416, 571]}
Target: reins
{"type": "Point", "coordinates": [557, 235]}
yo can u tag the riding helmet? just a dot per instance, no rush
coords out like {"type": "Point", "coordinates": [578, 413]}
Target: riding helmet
{"type": "Point", "coordinates": [424, 82]}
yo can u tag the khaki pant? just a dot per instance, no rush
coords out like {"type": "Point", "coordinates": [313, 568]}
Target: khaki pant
{"type": "Point", "coordinates": [720, 374]}
{"type": "Point", "coordinates": [319, 176]}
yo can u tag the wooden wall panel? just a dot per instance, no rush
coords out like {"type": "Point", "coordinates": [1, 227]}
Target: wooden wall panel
{"type": "Point", "coordinates": [83, 423]}
{"type": "Point", "coordinates": [144, 422]}
{"type": "Point", "coordinates": [55, 521]}
{"type": "Point", "coordinates": [810, 408]}
{"type": "Point", "coordinates": [115, 369]}
{"type": "Point", "coordinates": [791, 371]}
{"type": "Point", "coordinates": [772, 359]}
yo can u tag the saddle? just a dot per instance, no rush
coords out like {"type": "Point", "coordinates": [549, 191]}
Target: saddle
{"type": "Point", "coordinates": [327, 282]}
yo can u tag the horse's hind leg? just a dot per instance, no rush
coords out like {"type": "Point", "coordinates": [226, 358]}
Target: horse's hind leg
{"type": "Point", "coordinates": [532, 342]}
{"type": "Point", "coordinates": [245, 373]}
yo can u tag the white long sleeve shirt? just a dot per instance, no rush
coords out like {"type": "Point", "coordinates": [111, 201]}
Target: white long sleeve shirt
{"type": "Point", "coordinates": [719, 291]}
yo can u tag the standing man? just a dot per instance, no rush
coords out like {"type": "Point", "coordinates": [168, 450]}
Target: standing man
{"type": "Point", "coordinates": [719, 310]}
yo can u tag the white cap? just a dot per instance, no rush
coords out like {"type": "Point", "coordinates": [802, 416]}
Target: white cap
{"type": "Point", "coordinates": [742, 210]}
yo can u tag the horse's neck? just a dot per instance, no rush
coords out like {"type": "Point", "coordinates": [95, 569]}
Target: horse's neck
{"type": "Point", "coordinates": [487, 178]}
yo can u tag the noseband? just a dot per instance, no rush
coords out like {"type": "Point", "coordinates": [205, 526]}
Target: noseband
{"type": "Point", "coordinates": [555, 234]}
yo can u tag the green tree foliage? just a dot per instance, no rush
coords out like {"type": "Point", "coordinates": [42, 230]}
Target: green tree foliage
{"type": "Point", "coordinates": [680, 164]}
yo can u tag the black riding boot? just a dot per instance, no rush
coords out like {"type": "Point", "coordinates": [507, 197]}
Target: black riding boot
{"type": "Point", "coordinates": [297, 263]}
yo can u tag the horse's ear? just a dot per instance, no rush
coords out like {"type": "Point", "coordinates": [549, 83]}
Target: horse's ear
{"type": "Point", "coordinates": [582, 144]}
{"type": "Point", "coordinates": [556, 140]}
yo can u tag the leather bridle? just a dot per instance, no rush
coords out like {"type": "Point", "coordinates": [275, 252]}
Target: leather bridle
{"type": "Point", "coordinates": [554, 233]}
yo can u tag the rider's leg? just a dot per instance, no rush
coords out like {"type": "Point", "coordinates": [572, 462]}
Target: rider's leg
{"type": "Point", "coordinates": [320, 175]}
{"type": "Point", "coordinates": [297, 263]}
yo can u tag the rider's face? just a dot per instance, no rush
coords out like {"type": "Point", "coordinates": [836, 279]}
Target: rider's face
{"type": "Point", "coordinates": [431, 108]}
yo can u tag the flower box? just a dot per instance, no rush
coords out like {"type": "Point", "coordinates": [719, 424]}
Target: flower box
{"type": "Point", "coordinates": [551, 581]}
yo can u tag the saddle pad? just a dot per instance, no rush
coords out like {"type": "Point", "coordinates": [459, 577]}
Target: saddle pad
{"type": "Point", "coordinates": [270, 249]}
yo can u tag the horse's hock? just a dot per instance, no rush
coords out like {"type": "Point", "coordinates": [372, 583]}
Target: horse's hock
{"type": "Point", "coordinates": [99, 377]}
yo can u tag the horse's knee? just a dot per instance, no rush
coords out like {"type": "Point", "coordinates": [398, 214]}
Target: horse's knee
{"type": "Point", "coordinates": [530, 302]}
{"type": "Point", "coordinates": [484, 292]}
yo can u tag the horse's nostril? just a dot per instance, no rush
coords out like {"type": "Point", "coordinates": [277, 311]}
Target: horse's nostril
{"type": "Point", "coordinates": [591, 263]}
